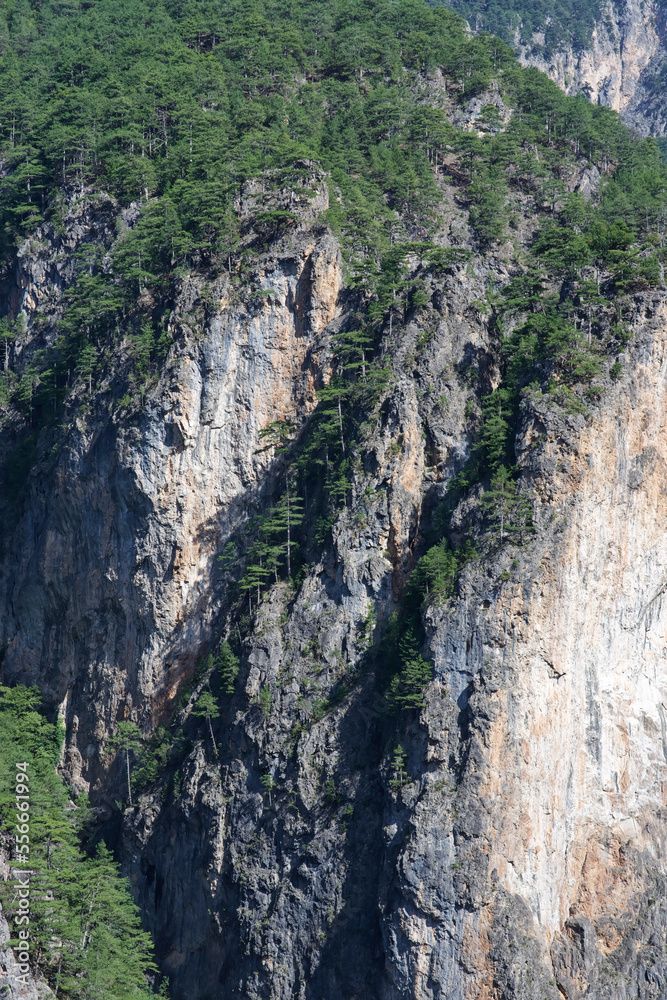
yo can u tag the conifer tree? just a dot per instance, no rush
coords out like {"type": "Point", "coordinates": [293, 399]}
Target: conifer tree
{"type": "Point", "coordinates": [207, 708]}
{"type": "Point", "coordinates": [509, 511]}
{"type": "Point", "coordinates": [127, 740]}
{"type": "Point", "coordinates": [398, 772]}
{"type": "Point", "coordinates": [86, 936]}
{"type": "Point", "coordinates": [285, 517]}
{"type": "Point", "coordinates": [407, 687]}
{"type": "Point", "coordinates": [228, 666]}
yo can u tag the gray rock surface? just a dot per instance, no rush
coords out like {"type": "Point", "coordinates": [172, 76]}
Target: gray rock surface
{"type": "Point", "coordinates": [523, 856]}
{"type": "Point", "coordinates": [621, 67]}
{"type": "Point", "coordinates": [15, 983]}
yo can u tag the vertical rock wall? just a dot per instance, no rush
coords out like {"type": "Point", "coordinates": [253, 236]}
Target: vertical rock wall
{"type": "Point", "coordinates": [108, 578]}
{"type": "Point", "coordinates": [523, 855]}
{"type": "Point", "coordinates": [619, 68]}
{"type": "Point", "coordinates": [537, 849]}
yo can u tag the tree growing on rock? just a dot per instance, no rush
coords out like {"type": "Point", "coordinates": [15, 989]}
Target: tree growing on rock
{"type": "Point", "coordinates": [228, 667]}
{"type": "Point", "coordinates": [509, 512]}
{"type": "Point", "coordinates": [399, 775]}
{"type": "Point", "coordinates": [127, 740]}
{"type": "Point", "coordinates": [207, 708]}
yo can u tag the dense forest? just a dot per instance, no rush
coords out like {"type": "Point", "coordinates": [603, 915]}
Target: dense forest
{"type": "Point", "coordinates": [170, 108]}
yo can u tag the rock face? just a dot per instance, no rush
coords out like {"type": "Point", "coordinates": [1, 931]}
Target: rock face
{"type": "Point", "coordinates": [152, 498]}
{"type": "Point", "coordinates": [15, 983]}
{"type": "Point", "coordinates": [524, 855]}
{"type": "Point", "coordinates": [620, 69]}
{"type": "Point", "coordinates": [522, 852]}
{"type": "Point", "coordinates": [553, 840]}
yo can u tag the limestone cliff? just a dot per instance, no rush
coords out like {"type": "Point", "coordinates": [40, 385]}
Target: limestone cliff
{"type": "Point", "coordinates": [621, 68]}
{"type": "Point", "coordinates": [554, 837]}
{"type": "Point", "coordinates": [151, 495]}
{"type": "Point", "coordinates": [521, 855]}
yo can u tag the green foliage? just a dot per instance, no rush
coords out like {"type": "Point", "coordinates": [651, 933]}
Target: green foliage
{"type": "Point", "coordinates": [398, 773]}
{"type": "Point", "coordinates": [176, 107]}
{"type": "Point", "coordinates": [126, 738]}
{"type": "Point", "coordinates": [496, 436]}
{"type": "Point", "coordinates": [269, 785]}
{"type": "Point", "coordinates": [487, 212]}
{"type": "Point", "coordinates": [8, 333]}
{"type": "Point", "coordinates": [434, 575]}
{"type": "Point", "coordinates": [405, 673]}
{"type": "Point", "coordinates": [128, 741]}
{"type": "Point", "coordinates": [206, 706]}
{"type": "Point", "coordinates": [508, 511]}
{"type": "Point", "coordinates": [227, 664]}
{"type": "Point", "coordinates": [104, 951]}
{"type": "Point", "coordinates": [277, 436]}
{"type": "Point", "coordinates": [154, 759]}
{"type": "Point", "coordinates": [141, 348]}
{"type": "Point", "coordinates": [368, 629]}
{"type": "Point", "coordinates": [407, 687]}
{"type": "Point", "coordinates": [265, 701]}
{"type": "Point", "coordinates": [273, 544]}
{"type": "Point", "coordinates": [107, 106]}
{"type": "Point", "coordinates": [228, 557]}
{"type": "Point", "coordinates": [320, 708]}
{"type": "Point", "coordinates": [563, 22]}
{"type": "Point", "coordinates": [561, 249]}
{"type": "Point", "coordinates": [86, 935]}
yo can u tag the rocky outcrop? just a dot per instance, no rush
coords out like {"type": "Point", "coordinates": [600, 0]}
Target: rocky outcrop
{"type": "Point", "coordinates": [521, 852]}
{"type": "Point", "coordinates": [621, 67]}
{"type": "Point", "coordinates": [553, 836]}
{"type": "Point", "coordinates": [152, 495]}
{"type": "Point", "coordinates": [523, 855]}
{"type": "Point", "coordinates": [16, 981]}
{"type": "Point", "coordinates": [285, 881]}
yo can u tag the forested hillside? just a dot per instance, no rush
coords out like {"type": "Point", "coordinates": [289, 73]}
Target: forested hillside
{"type": "Point", "coordinates": [319, 326]}
{"type": "Point", "coordinates": [562, 22]}
{"type": "Point", "coordinates": [174, 107]}
{"type": "Point", "coordinates": [615, 53]}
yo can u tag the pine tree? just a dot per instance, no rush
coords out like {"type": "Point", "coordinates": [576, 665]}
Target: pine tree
{"type": "Point", "coordinates": [398, 773]}
{"type": "Point", "coordinates": [285, 517]}
{"type": "Point", "coordinates": [228, 666]}
{"type": "Point", "coordinates": [8, 332]}
{"type": "Point", "coordinates": [207, 708]}
{"type": "Point", "coordinates": [354, 348]}
{"type": "Point", "coordinates": [496, 434]}
{"type": "Point", "coordinates": [408, 686]}
{"type": "Point", "coordinates": [269, 785]}
{"type": "Point", "coordinates": [142, 345]}
{"type": "Point", "coordinates": [85, 365]}
{"type": "Point", "coordinates": [86, 936]}
{"type": "Point", "coordinates": [509, 511]}
{"type": "Point", "coordinates": [127, 740]}
{"type": "Point", "coordinates": [105, 953]}
{"type": "Point", "coordinates": [333, 397]}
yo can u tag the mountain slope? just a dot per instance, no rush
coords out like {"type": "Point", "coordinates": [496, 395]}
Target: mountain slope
{"type": "Point", "coordinates": [332, 453]}
{"type": "Point", "coordinates": [615, 54]}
